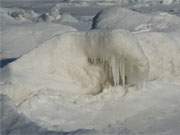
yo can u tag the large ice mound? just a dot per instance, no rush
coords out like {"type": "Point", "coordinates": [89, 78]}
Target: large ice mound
{"type": "Point", "coordinates": [86, 60]}
{"type": "Point", "coordinates": [91, 61]}
{"type": "Point", "coordinates": [69, 68]}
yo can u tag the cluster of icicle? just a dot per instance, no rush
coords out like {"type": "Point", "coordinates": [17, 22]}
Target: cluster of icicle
{"type": "Point", "coordinates": [114, 68]}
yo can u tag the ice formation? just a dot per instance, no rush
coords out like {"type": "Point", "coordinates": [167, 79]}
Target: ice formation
{"type": "Point", "coordinates": [74, 65]}
{"type": "Point", "coordinates": [77, 80]}
{"type": "Point", "coordinates": [91, 61]}
{"type": "Point", "coordinates": [22, 14]}
{"type": "Point", "coordinates": [114, 68]}
{"type": "Point", "coordinates": [113, 53]}
{"type": "Point", "coordinates": [121, 18]}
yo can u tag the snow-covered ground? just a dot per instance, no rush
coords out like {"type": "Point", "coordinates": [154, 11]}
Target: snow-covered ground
{"type": "Point", "coordinates": [90, 67]}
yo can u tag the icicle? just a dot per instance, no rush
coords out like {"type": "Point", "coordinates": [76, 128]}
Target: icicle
{"type": "Point", "coordinates": [110, 71]}
{"type": "Point", "coordinates": [122, 71]}
{"type": "Point", "coordinates": [115, 74]}
{"type": "Point", "coordinates": [106, 69]}
{"type": "Point", "coordinates": [114, 68]}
